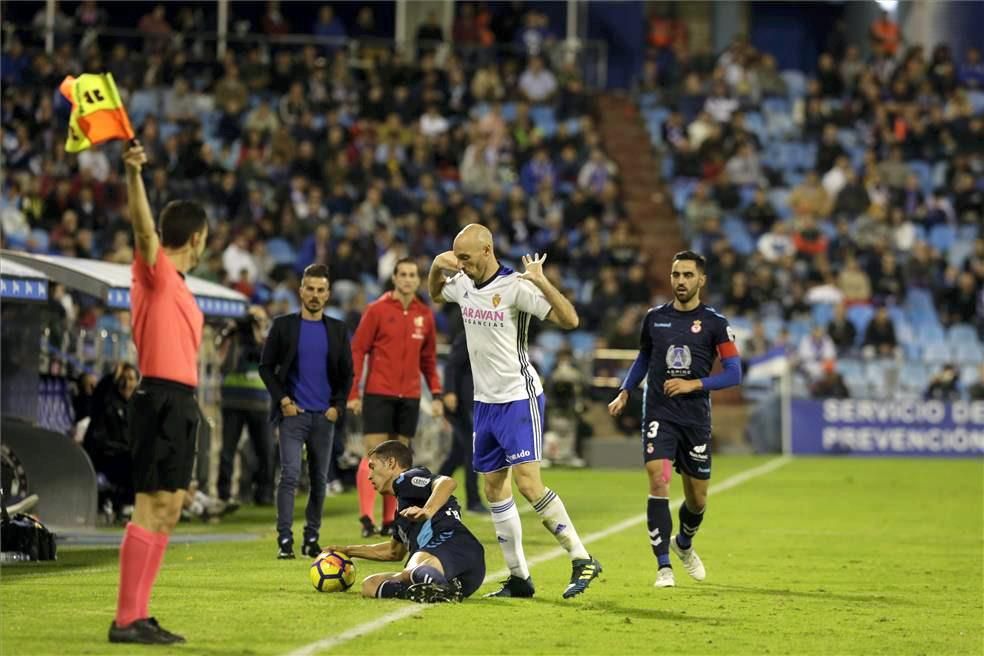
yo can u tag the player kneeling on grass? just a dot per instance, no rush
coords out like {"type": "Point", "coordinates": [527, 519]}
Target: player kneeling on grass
{"type": "Point", "coordinates": [447, 562]}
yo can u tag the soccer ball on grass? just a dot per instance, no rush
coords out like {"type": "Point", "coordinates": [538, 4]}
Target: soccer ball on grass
{"type": "Point", "coordinates": [332, 571]}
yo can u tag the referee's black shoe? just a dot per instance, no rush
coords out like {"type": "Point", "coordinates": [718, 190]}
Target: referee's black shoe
{"type": "Point", "coordinates": [145, 632]}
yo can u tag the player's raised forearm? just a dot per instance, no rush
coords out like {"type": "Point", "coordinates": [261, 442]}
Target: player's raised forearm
{"type": "Point", "coordinates": [144, 230]}
{"type": "Point", "coordinates": [441, 491]}
{"type": "Point", "coordinates": [435, 282]}
{"type": "Point", "coordinates": [562, 310]}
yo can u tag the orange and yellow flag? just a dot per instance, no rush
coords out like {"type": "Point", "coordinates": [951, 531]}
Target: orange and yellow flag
{"type": "Point", "coordinates": [98, 113]}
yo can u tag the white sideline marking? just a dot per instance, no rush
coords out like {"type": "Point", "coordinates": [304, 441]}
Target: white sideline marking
{"type": "Point", "coordinates": [413, 609]}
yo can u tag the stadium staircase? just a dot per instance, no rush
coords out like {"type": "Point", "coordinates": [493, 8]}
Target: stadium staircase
{"type": "Point", "coordinates": [646, 201]}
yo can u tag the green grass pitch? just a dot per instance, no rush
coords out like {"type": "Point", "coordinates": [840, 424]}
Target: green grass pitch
{"type": "Point", "coordinates": [817, 556]}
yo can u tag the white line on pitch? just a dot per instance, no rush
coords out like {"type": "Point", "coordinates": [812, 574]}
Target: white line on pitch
{"type": "Point", "coordinates": [413, 609]}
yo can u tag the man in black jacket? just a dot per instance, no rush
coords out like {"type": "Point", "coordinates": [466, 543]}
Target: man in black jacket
{"type": "Point", "coordinates": [307, 368]}
{"type": "Point", "coordinates": [106, 439]}
{"type": "Point", "coordinates": [458, 400]}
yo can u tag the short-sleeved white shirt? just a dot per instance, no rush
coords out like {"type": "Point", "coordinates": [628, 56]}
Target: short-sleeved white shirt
{"type": "Point", "coordinates": [497, 318]}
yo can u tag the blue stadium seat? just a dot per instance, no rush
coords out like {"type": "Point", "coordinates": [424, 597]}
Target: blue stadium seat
{"type": "Point", "coordinates": [929, 330]}
{"type": "Point", "coordinates": [777, 106]}
{"type": "Point", "coordinates": [509, 111]}
{"type": "Point", "coordinates": [682, 189]}
{"type": "Point", "coordinates": [969, 374]}
{"type": "Point", "coordinates": [798, 329]}
{"type": "Point", "coordinates": [936, 352]}
{"type": "Point", "coordinates": [281, 251]}
{"type": "Point", "coordinates": [648, 99]}
{"type": "Point", "coordinates": [542, 114]}
{"type": "Point", "coordinates": [919, 304]}
{"type": "Point", "coordinates": [773, 326]}
{"type": "Point", "coordinates": [795, 83]}
{"type": "Point", "coordinates": [923, 172]}
{"type": "Point", "coordinates": [737, 234]}
{"type": "Point", "coordinates": [551, 340]}
{"type": "Point", "coordinates": [40, 240]}
{"type": "Point", "coordinates": [860, 316]}
{"type": "Point", "coordinates": [582, 342]}
{"type": "Point", "coordinates": [848, 138]}
{"type": "Point", "coordinates": [168, 130]}
{"type": "Point", "coordinates": [668, 167]}
{"type": "Point", "coordinates": [976, 101]}
{"type": "Point", "coordinates": [755, 122]}
{"type": "Point", "coordinates": [968, 353]}
{"type": "Point", "coordinates": [942, 237]}
{"type": "Point", "coordinates": [822, 313]}
{"type": "Point", "coordinates": [747, 195]}
{"type": "Point", "coordinates": [968, 233]}
{"type": "Point", "coordinates": [959, 252]}
{"type": "Point", "coordinates": [141, 104]}
{"type": "Point", "coordinates": [914, 378]}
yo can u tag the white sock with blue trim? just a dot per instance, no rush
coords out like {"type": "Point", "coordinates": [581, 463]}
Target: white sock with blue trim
{"type": "Point", "coordinates": [554, 515]}
{"type": "Point", "coordinates": [509, 533]}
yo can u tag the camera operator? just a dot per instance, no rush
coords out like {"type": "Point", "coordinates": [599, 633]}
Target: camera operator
{"type": "Point", "coordinates": [565, 413]}
{"type": "Point", "coordinates": [245, 402]}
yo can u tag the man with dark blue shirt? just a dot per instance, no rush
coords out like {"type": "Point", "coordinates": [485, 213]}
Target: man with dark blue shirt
{"type": "Point", "coordinates": [306, 366]}
{"type": "Point", "coordinates": [446, 562]}
{"type": "Point", "coordinates": [677, 348]}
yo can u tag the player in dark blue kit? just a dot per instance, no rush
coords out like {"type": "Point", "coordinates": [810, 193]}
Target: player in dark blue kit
{"type": "Point", "coordinates": [677, 348]}
{"type": "Point", "coordinates": [447, 562]}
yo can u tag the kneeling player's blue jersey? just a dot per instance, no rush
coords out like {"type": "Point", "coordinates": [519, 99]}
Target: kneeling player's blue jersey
{"type": "Point", "coordinates": [682, 345]}
{"type": "Point", "coordinates": [413, 487]}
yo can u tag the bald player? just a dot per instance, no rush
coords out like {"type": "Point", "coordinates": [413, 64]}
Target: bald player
{"type": "Point", "coordinates": [497, 305]}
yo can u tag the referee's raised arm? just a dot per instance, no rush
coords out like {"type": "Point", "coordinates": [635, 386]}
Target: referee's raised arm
{"type": "Point", "coordinates": [144, 230]}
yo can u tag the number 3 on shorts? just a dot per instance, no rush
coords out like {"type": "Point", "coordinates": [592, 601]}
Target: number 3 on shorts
{"type": "Point", "coordinates": [653, 428]}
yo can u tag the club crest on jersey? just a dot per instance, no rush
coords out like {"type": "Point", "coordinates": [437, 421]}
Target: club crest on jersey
{"type": "Point", "coordinates": [496, 299]}
{"type": "Point", "coordinates": [696, 328]}
{"type": "Point", "coordinates": [678, 359]}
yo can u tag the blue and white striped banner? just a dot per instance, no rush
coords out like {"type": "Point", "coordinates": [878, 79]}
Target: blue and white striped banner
{"type": "Point", "coordinates": [24, 289]}
{"type": "Point", "coordinates": [119, 299]}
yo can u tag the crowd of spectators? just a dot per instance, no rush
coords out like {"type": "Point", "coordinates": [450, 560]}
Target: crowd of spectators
{"type": "Point", "coordinates": [858, 186]}
{"type": "Point", "coordinates": [318, 153]}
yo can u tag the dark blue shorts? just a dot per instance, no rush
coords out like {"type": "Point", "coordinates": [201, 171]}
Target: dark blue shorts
{"type": "Point", "coordinates": [462, 558]}
{"type": "Point", "coordinates": [688, 447]}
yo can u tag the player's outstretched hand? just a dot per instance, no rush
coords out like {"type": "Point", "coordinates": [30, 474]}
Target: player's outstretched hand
{"type": "Point", "coordinates": [414, 514]}
{"type": "Point", "coordinates": [677, 386]}
{"type": "Point", "coordinates": [355, 406]}
{"type": "Point", "coordinates": [617, 405]}
{"type": "Point", "coordinates": [447, 261]}
{"type": "Point", "coordinates": [534, 267]}
{"type": "Point", "coordinates": [134, 156]}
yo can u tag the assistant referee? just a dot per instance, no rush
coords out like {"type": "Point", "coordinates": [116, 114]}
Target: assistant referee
{"type": "Point", "coordinates": [167, 330]}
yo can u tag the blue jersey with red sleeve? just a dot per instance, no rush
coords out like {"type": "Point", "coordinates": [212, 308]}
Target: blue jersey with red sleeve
{"type": "Point", "coordinates": [676, 344]}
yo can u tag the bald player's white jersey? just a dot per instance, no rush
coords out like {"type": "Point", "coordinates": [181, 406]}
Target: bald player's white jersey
{"type": "Point", "coordinates": [497, 317]}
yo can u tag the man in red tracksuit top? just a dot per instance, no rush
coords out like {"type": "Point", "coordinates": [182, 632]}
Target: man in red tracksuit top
{"type": "Point", "coordinates": [397, 332]}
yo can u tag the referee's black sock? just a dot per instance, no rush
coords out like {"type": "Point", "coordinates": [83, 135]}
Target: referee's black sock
{"type": "Point", "coordinates": [689, 523]}
{"type": "Point", "coordinates": [660, 523]}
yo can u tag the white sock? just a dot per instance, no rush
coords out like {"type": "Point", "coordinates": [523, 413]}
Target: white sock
{"type": "Point", "coordinates": [554, 515]}
{"type": "Point", "coordinates": [509, 531]}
